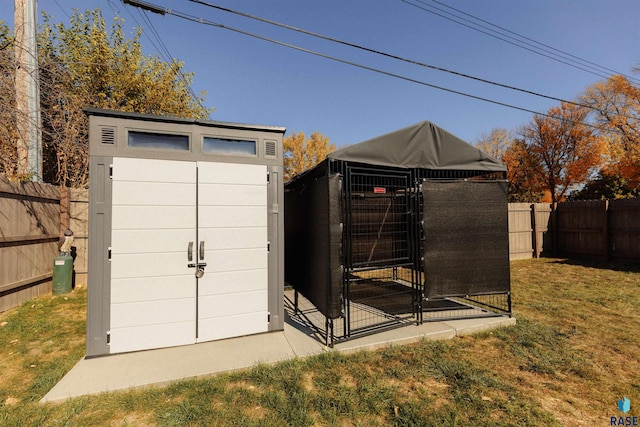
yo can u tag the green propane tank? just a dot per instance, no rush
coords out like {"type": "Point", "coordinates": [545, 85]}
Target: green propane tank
{"type": "Point", "coordinates": [62, 273]}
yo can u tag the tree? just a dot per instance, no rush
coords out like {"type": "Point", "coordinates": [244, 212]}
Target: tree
{"type": "Point", "coordinates": [496, 143]}
{"type": "Point", "coordinates": [8, 120]}
{"type": "Point", "coordinates": [564, 150]}
{"type": "Point", "coordinates": [522, 168]}
{"type": "Point", "coordinates": [617, 102]}
{"type": "Point", "coordinates": [84, 64]}
{"type": "Point", "coordinates": [302, 153]}
{"type": "Point", "coordinates": [607, 186]}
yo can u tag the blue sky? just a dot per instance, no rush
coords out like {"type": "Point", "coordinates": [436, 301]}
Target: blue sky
{"type": "Point", "coordinates": [253, 81]}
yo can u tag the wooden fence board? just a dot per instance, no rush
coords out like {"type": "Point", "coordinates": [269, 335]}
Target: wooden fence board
{"type": "Point", "coordinates": [581, 228]}
{"type": "Point", "coordinates": [529, 234]}
{"type": "Point", "coordinates": [79, 212]}
{"type": "Point", "coordinates": [29, 229]}
{"type": "Point", "coordinates": [520, 231]}
{"type": "Point", "coordinates": [598, 229]}
{"type": "Point", "coordinates": [624, 228]}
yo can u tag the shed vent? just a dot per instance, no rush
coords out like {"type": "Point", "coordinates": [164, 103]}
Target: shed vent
{"type": "Point", "coordinates": [108, 135]}
{"type": "Point", "coordinates": [270, 149]}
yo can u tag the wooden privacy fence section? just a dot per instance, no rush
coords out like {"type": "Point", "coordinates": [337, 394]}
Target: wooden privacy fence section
{"type": "Point", "coordinates": [529, 230]}
{"type": "Point", "coordinates": [30, 226]}
{"type": "Point", "coordinates": [29, 232]}
{"type": "Point", "coordinates": [600, 229]}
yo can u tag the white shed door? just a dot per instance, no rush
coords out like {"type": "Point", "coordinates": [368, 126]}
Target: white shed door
{"type": "Point", "coordinates": [153, 292]}
{"type": "Point", "coordinates": [160, 207]}
{"type": "Point", "coordinates": [232, 231]}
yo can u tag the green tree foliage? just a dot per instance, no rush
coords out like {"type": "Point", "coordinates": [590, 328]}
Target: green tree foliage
{"type": "Point", "coordinates": [607, 186]}
{"type": "Point", "coordinates": [86, 64]}
{"type": "Point", "coordinates": [111, 72]}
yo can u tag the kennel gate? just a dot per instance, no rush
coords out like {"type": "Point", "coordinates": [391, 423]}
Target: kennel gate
{"type": "Point", "coordinates": [380, 283]}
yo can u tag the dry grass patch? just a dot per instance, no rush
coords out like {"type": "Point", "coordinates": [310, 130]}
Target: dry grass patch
{"type": "Point", "coordinates": [574, 351]}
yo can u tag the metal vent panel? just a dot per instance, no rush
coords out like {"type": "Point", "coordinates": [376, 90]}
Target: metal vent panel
{"type": "Point", "coordinates": [270, 149]}
{"type": "Point", "coordinates": [108, 135]}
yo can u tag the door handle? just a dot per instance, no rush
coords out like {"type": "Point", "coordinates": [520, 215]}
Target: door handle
{"type": "Point", "coordinates": [190, 252]}
{"type": "Point", "coordinates": [201, 250]}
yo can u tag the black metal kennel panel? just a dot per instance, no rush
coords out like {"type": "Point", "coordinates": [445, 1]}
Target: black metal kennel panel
{"type": "Point", "coordinates": [397, 230]}
{"type": "Point", "coordinates": [376, 213]}
{"type": "Point", "coordinates": [380, 286]}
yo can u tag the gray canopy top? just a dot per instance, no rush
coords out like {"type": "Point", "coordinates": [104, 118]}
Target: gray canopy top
{"type": "Point", "coordinates": [424, 146]}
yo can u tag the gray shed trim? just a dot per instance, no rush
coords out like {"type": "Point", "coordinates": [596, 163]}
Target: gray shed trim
{"type": "Point", "coordinates": [179, 120]}
{"type": "Point", "coordinates": [103, 150]}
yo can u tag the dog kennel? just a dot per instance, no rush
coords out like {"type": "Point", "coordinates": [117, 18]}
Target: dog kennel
{"type": "Point", "coordinates": [185, 231]}
{"type": "Point", "coordinates": [407, 227]}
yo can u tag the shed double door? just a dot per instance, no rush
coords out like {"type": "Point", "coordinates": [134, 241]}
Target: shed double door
{"type": "Point", "coordinates": [170, 219]}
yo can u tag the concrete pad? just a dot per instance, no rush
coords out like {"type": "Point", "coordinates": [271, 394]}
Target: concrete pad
{"type": "Point", "coordinates": [303, 340]}
{"type": "Point", "coordinates": [473, 326]}
{"type": "Point", "coordinates": [163, 366]}
{"type": "Point", "coordinates": [398, 336]}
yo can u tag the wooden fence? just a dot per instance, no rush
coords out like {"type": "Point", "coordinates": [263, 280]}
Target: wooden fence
{"type": "Point", "coordinates": [529, 230]}
{"type": "Point", "coordinates": [29, 231]}
{"type": "Point", "coordinates": [602, 230]}
{"type": "Point", "coordinates": [30, 226]}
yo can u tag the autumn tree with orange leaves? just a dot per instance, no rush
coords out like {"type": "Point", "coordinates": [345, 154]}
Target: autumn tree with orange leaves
{"type": "Point", "coordinates": [562, 149]}
{"type": "Point", "coordinates": [302, 153]}
{"type": "Point", "coordinates": [522, 173]}
{"type": "Point", "coordinates": [617, 105]}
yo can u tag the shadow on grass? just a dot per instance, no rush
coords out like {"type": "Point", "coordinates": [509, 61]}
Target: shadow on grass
{"type": "Point", "coordinates": [616, 265]}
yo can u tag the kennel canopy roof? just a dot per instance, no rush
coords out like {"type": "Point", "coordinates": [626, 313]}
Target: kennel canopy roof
{"type": "Point", "coordinates": [424, 146]}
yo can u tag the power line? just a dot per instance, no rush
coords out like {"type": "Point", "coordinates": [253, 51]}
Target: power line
{"type": "Point", "coordinates": [63, 11]}
{"type": "Point", "coordinates": [514, 43]}
{"type": "Point", "coordinates": [534, 41]}
{"type": "Point", "coordinates": [202, 21]}
{"type": "Point", "coordinates": [386, 54]}
{"type": "Point", "coordinates": [161, 48]}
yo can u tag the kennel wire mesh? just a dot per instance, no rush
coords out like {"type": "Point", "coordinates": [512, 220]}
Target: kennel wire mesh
{"type": "Point", "coordinates": [380, 286]}
{"type": "Point", "coordinates": [382, 250]}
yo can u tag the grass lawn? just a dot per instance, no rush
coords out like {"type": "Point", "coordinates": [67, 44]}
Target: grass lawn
{"type": "Point", "coordinates": [573, 353]}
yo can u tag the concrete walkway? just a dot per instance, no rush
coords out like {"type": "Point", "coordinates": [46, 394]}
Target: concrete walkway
{"type": "Point", "coordinates": [163, 366]}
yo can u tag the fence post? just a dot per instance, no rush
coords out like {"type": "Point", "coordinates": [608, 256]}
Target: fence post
{"type": "Point", "coordinates": [554, 228]}
{"type": "Point", "coordinates": [605, 231]}
{"type": "Point", "coordinates": [534, 227]}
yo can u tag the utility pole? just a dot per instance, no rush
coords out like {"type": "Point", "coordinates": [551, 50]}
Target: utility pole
{"type": "Point", "coordinates": [29, 142]}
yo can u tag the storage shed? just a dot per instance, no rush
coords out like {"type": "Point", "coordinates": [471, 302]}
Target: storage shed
{"type": "Point", "coordinates": [185, 231]}
{"type": "Point", "coordinates": [403, 228]}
